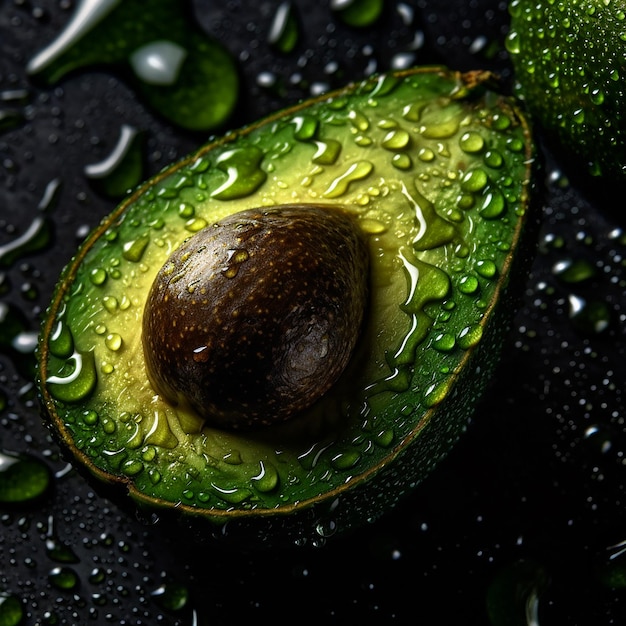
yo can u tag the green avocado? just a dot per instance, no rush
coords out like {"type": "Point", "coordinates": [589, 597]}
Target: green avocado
{"type": "Point", "coordinates": [569, 58]}
{"type": "Point", "coordinates": [277, 337]}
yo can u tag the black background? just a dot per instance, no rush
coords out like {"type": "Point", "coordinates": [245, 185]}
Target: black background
{"type": "Point", "coordinates": [527, 512]}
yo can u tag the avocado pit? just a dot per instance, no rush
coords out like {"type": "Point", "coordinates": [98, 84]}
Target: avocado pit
{"type": "Point", "coordinates": [250, 321]}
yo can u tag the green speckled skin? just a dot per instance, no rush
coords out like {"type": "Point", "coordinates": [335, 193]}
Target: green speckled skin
{"type": "Point", "coordinates": [436, 169]}
{"type": "Point", "coordinates": [569, 58]}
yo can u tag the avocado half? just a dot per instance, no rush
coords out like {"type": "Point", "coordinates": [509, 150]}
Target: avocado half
{"type": "Point", "coordinates": [434, 169]}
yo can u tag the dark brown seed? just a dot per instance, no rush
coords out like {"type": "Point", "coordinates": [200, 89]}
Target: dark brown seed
{"type": "Point", "coordinates": [253, 319]}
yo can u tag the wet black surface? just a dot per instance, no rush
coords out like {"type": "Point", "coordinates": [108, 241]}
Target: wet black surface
{"type": "Point", "coordinates": [526, 516]}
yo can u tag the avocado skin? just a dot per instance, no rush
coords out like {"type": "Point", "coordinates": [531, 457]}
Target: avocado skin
{"type": "Point", "coordinates": [276, 306]}
{"type": "Point", "coordinates": [569, 59]}
{"type": "Point", "coordinates": [480, 181]}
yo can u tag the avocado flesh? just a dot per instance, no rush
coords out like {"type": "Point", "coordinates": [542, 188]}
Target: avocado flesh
{"type": "Point", "coordinates": [436, 168]}
{"type": "Point", "coordinates": [569, 62]}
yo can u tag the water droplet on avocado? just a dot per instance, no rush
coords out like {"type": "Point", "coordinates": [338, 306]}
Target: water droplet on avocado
{"type": "Point", "coordinates": [444, 342]}
{"type": "Point", "coordinates": [75, 379]}
{"type": "Point", "coordinates": [396, 140]}
{"type": "Point", "coordinates": [267, 479]}
{"type": "Point", "coordinates": [98, 276]}
{"type": "Point", "coordinates": [243, 168]}
{"type": "Point", "coordinates": [134, 249]}
{"type": "Point", "coordinates": [472, 142]}
{"type": "Point", "coordinates": [355, 172]}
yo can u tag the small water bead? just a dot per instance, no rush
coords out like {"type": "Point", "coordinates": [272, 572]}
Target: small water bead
{"type": "Point", "coordinates": [267, 479]}
{"type": "Point", "coordinates": [515, 145]}
{"type": "Point", "coordinates": [465, 201]}
{"type": "Point", "coordinates": [90, 418]}
{"type": "Point", "coordinates": [98, 276]}
{"type": "Point", "coordinates": [64, 578]}
{"type": "Point", "coordinates": [486, 268]}
{"type": "Point", "coordinates": [413, 112]}
{"type": "Point", "coordinates": [384, 438]}
{"type": "Point", "coordinates": [305, 127]}
{"type": "Point", "coordinates": [186, 210]}
{"type": "Point", "coordinates": [326, 152]}
{"type": "Point", "coordinates": [244, 173]}
{"type": "Point", "coordinates": [196, 224]}
{"type": "Point", "coordinates": [512, 41]}
{"type": "Point", "coordinates": [475, 180]}
{"type": "Point", "coordinates": [363, 141]}
{"type": "Point", "coordinates": [470, 336]}
{"type": "Point", "coordinates": [493, 159]}
{"type": "Point", "coordinates": [494, 204]}
{"type": "Point", "coordinates": [471, 142]}
{"type": "Point", "coordinates": [396, 140]}
{"type": "Point", "coordinates": [426, 155]}
{"type": "Point", "coordinates": [132, 467]}
{"type": "Point", "coordinates": [357, 171]}
{"type": "Point", "coordinates": [231, 495]}
{"type": "Point", "coordinates": [468, 285]}
{"type": "Point", "coordinates": [113, 342]}
{"type": "Point", "coordinates": [440, 130]}
{"type": "Point", "coordinates": [435, 394]}
{"type": "Point", "coordinates": [360, 121]}
{"type": "Point", "coordinates": [61, 341]}
{"type": "Point", "coordinates": [133, 250]}
{"type": "Point", "coordinates": [110, 303]}
{"type": "Point", "coordinates": [345, 460]}
{"type": "Point", "coordinates": [444, 342]}
{"type": "Point", "coordinates": [402, 161]}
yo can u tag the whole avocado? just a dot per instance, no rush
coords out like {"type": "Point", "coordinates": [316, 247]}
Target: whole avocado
{"type": "Point", "coordinates": [569, 58]}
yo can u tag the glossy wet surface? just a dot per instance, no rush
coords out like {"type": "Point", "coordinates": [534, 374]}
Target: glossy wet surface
{"type": "Point", "coordinates": [523, 523]}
